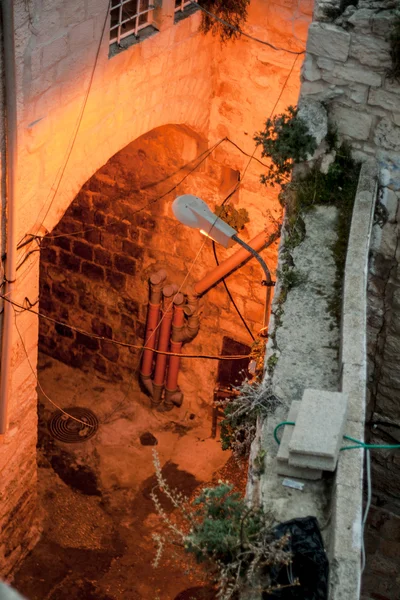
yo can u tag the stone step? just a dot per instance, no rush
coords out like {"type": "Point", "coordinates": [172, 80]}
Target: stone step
{"type": "Point", "coordinates": [317, 437]}
{"type": "Point", "coordinates": [282, 459]}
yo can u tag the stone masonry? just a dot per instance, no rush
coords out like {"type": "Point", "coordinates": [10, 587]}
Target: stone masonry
{"type": "Point", "coordinates": [64, 78]}
{"type": "Point", "coordinates": [98, 280]}
{"type": "Point", "coordinates": [346, 68]}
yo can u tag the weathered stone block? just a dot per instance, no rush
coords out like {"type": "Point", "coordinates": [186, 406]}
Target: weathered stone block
{"type": "Point", "coordinates": [93, 272]}
{"type": "Point", "coordinates": [54, 51]}
{"type": "Point", "coordinates": [81, 34]}
{"type": "Point", "coordinates": [387, 135]}
{"type": "Point", "coordinates": [352, 72]}
{"type": "Point", "coordinates": [310, 71]}
{"type": "Point", "coordinates": [116, 280]}
{"type": "Point", "coordinates": [352, 123]}
{"type": "Point", "coordinates": [384, 99]}
{"type": "Point", "coordinates": [369, 50]}
{"type": "Point", "coordinates": [83, 250]}
{"type": "Point", "coordinates": [329, 41]}
{"type": "Point", "coordinates": [319, 430]}
{"type": "Point", "coordinates": [69, 261]}
{"type": "Point", "coordinates": [124, 264]}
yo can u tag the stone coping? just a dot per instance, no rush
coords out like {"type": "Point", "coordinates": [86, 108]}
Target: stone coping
{"type": "Point", "coordinates": [336, 500]}
{"type": "Point", "coordinates": [347, 493]}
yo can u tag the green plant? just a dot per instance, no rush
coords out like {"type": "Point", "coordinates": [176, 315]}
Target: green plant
{"type": "Point", "coordinates": [238, 428]}
{"type": "Point", "coordinates": [290, 278]}
{"type": "Point", "coordinates": [394, 39]}
{"type": "Point", "coordinates": [286, 141]}
{"type": "Point", "coordinates": [231, 15]}
{"type": "Point", "coordinates": [259, 462]}
{"type": "Point", "coordinates": [235, 217]}
{"type": "Point", "coordinates": [337, 188]}
{"type": "Point", "coordinates": [236, 541]}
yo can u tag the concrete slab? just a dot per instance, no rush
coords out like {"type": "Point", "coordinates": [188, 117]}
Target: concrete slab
{"type": "Point", "coordinates": [282, 459]}
{"type": "Point", "coordinates": [319, 430]}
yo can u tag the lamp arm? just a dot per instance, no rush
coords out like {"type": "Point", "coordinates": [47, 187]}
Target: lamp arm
{"type": "Point", "coordinates": [267, 273]}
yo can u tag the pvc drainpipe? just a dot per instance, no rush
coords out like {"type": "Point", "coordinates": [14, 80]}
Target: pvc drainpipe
{"type": "Point", "coordinates": [163, 343]}
{"type": "Point", "coordinates": [156, 282]}
{"type": "Point", "coordinates": [11, 169]}
{"type": "Point", "coordinates": [173, 395]}
{"type": "Point", "coordinates": [230, 264]}
{"type": "Point", "coordinates": [192, 310]}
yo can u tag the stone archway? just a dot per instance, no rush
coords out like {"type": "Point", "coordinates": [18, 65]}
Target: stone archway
{"type": "Point", "coordinates": [96, 262]}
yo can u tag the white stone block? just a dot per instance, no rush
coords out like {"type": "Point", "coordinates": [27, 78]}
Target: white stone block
{"type": "Point", "coordinates": [384, 99]}
{"type": "Point", "coordinates": [282, 459]}
{"type": "Point", "coordinates": [328, 40]}
{"type": "Point", "coordinates": [54, 51]}
{"type": "Point", "coordinates": [351, 122]}
{"type": "Point", "coordinates": [318, 434]}
{"type": "Point", "coordinates": [310, 71]}
{"type": "Point", "coordinates": [387, 135]}
{"type": "Point", "coordinates": [369, 50]}
{"type": "Point", "coordinates": [82, 34]}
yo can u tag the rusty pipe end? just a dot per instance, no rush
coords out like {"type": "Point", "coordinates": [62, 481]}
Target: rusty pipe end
{"type": "Point", "coordinates": [170, 290]}
{"type": "Point", "coordinates": [179, 299]}
{"type": "Point", "coordinates": [159, 277]}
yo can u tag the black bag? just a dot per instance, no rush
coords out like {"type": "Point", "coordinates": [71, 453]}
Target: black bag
{"type": "Point", "coordinates": [309, 564]}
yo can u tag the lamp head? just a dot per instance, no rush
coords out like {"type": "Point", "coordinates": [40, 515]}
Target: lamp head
{"type": "Point", "coordinates": [194, 212]}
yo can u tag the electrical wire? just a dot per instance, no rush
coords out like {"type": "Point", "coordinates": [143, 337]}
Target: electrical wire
{"type": "Point", "coordinates": [202, 158]}
{"type": "Point", "coordinates": [359, 444]}
{"type": "Point", "coordinates": [37, 379]}
{"type": "Point", "coordinates": [134, 373]}
{"type": "Point", "coordinates": [77, 127]}
{"type": "Point", "coordinates": [116, 342]}
{"type": "Point", "coordinates": [247, 35]}
{"type": "Point", "coordinates": [368, 506]}
{"type": "Point", "coordinates": [231, 298]}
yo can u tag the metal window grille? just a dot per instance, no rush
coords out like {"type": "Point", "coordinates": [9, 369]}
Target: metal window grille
{"type": "Point", "coordinates": [128, 17]}
{"type": "Point", "coordinates": [182, 4]}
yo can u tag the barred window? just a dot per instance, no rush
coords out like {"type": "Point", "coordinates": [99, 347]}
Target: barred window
{"type": "Point", "coordinates": [128, 17]}
{"type": "Point", "coordinates": [182, 4]}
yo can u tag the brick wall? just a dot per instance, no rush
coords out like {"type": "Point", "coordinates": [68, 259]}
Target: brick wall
{"type": "Point", "coordinates": [176, 76]}
{"type": "Point", "coordinates": [98, 280]}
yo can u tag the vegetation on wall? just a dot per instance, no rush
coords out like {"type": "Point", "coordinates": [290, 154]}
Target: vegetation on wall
{"type": "Point", "coordinates": [236, 218]}
{"type": "Point", "coordinates": [238, 428]}
{"type": "Point", "coordinates": [286, 141]}
{"type": "Point", "coordinates": [232, 15]}
{"type": "Point", "coordinates": [236, 542]}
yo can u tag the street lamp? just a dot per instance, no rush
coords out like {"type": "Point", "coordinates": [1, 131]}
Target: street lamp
{"type": "Point", "coordinates": [194, 212]}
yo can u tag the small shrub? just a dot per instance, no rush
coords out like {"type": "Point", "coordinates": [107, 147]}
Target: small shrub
{"type": "Point", "coordinates": [233, 12]}
{"type": "Point", "coordinates": [236, 542]}
{"type": "Point", "coordinates": [236, 218]}
{"type": "Point", "coordinates": [238, 428]}
{"type": "Point", "coordinates": [286, 141]}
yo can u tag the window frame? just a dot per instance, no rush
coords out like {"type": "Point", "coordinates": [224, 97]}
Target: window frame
{"type": "Point", "coordinates": [183, 4]}
{"type": "Point", "coordinates": [116, 39]}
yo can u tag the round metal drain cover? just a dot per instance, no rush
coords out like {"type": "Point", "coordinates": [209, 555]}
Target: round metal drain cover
{"type": "Point", "coordinates": [68, 430]}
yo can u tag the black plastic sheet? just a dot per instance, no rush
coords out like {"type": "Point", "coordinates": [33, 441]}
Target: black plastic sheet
{"type": "Point", "coordinates": [309, 564]}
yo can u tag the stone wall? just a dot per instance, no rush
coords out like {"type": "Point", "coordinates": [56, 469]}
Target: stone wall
{"type": "Point", "coordinates": [65, 78]}
{"type": "Point", "coordinates": [346, 67]}
{"type": "Point", "coordinates": [98, 280]}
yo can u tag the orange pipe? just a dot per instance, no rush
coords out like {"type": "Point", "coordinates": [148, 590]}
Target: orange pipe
{"type": "Point", "coordinates": [172, 392]}
{"type": "Point", "coordinates": [163, 343]}
{"type": "Point", "coordinates": [156, 282]}
{"type": "Point", "coordinates": [229, 264]}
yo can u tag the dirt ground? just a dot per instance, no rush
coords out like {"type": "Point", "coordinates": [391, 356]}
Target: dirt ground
{"type": "Point", "coordinates": [95, 496]}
